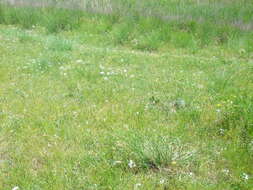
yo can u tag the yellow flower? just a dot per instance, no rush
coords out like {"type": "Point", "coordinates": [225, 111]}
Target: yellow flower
{"type": "Point", "coordinates": [173, 163]}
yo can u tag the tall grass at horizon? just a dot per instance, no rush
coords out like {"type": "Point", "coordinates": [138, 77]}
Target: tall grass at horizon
{"type": "Point", "coordinates": [148, 25]}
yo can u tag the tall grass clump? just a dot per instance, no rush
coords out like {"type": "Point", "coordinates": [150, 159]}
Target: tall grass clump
{"type": "Point", "coordinates": [26, 17]}
{"type": "Point", "coordinates": [56, 20]}
{"type": "Point", "coordinates": [141, 151]}
{"type": "Point", "coordinates": [53, 19]}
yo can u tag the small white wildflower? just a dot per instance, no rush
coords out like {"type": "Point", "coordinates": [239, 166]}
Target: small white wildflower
{"type": "Point", "coordinates": [218, 110]}
{"type": "Point", "coordinates": [79, 61]}
{"type": "Point", "coordinates": [117, 162]}
{"type": "Point", "coordinates": [198, 107]}
{"type": "Point", "coordinates": [137, 113]}
{"type": "Point", "coordinates": [245, 176]}
{"type": "Point", "coordinates": [173, 110]}
{"type": "Point", "coordinates": [191, 174]}
{"type": "Point", "coordinates": [222, 131]}
{"type": "Point", "coordinates": [125, 70]}
{"type": "Point", "coordinates": [131, 164]}
{"type": "Point", "coordinates": [137, 185]}
{"type": "Point", "coordinates": [56, 136]}
{"type": "Point", "coordinates": [225, 171]}
{"type": "Point", "coordinates": [15, 188]}
{"type": "Point", "coordinates": [102, 73]}
{"type": "Point", "coordinates": [162, 181]}
{"type": "Point", "coordinates": [75, 114]}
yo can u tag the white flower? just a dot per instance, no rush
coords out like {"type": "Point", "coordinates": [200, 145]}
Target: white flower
{"type": "Point", "coordinates": [137, 185]}
{"type": "Point", "coordinates": [225, 171]}
{"type": "Point", "coordinates": [191, 174]}
{"type": "Point", "coordinates": [75, 114]}
{"type": "Point", "coordinates": [245, 176]}
{"type": "Point", "coordinates": [117, 162]}
{"type": "Point", "coordinates": [102, 73]}
{"type": "Point", "coordinates": [162, 181]}
{"type": "Point", "coordinates": [15, 188]}
{"type": "Point", "coordinates": [79, 61]}
{"type": "Point", "coordinates": [131, 164]}
{"type": "Point", "coordinates": [222, 131]}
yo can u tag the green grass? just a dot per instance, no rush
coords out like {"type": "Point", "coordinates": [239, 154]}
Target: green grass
{"type": "Point", "coordinates": [125, 102]}
{"type": "Point", "coordinates": [147, 25]}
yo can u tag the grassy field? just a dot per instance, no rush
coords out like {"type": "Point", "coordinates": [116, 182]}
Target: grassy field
{"type": "Point", "coordinates": [127, 99]}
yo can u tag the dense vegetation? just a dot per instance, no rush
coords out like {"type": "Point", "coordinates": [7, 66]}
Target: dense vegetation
{"type": "Point", "coordinates": [149, 25]}
{"type": "Point", "coordinates": [153, 94]}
